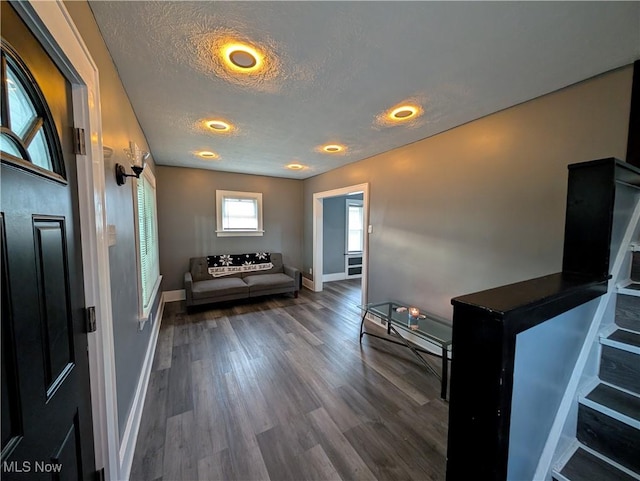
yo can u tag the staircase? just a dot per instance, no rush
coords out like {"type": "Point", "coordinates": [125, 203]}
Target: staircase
{"type": "Point", "coordinates": [607, 445]}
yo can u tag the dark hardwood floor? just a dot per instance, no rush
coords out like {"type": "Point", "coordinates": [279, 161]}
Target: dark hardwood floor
{"type": "Point", "coordinates": [280, 389]}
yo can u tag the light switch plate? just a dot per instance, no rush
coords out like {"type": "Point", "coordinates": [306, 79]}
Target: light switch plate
{"type": "Point", "coordinates": [111, 234]}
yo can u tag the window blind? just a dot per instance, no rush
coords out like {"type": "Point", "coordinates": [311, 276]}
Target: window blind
{"type": "Point", "coordinates": [148, 237]}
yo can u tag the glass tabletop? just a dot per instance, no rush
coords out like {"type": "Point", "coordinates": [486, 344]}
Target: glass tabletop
{"type": "Point", "coordinates": [425, 324]}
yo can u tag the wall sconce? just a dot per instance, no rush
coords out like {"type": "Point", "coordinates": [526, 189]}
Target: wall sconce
{"type": "Point", "coordinates": [137, 158]}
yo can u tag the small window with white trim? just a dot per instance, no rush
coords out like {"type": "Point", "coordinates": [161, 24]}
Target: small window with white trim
{"type": "Point", "coordinates": [238, 213]}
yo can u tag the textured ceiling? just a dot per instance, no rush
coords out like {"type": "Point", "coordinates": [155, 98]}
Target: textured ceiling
{"type": "Point", "coordinates": [334, 68]}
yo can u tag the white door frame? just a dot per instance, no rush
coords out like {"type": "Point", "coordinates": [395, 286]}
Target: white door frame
{"type": "Point", "coordinates": [318, 198]}
{"type": "Point", "coordinates": [52, 25]}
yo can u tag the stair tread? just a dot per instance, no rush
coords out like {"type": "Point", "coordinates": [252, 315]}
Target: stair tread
{"type": "Point", "coordinates": [619, 401]}
{"type": "Point", "coordinates": [626, 337]}
{"type": "Point", "coordinates": [584, 466]}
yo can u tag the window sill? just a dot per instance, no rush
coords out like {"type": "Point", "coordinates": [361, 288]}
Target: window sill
{"type": "Point", "coordinates": [146, 310]}
{"type": "Point", "coordinates": [239, 233]}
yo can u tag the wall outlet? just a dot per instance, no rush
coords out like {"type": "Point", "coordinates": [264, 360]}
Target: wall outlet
{"type": "Point", "coordinates": [311, 270]}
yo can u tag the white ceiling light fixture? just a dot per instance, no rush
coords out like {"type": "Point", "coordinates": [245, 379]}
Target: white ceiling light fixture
{"type": "Point", "coordinates": [242, 58]}
{"type": "Point", "coordinates": [218, 126]}
{"type": "Point", "coordinates": [333, 148]}
{"type": "Point", "coordinates": [295, 166]}
{"type": "Point", "coordinates": [207, 154]}
{"type": "Point", "coordinates": [404, 112]}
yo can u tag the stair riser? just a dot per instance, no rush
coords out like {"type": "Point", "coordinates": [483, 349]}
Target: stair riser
{"type": "Point", "coordinates": [628, 312]}
{"type": "Point", "coordinates": [616, 440]}
{"type": "Point", "coordinates": [635, 267]}
{"type": "Point", "coordinates": [620, 368]}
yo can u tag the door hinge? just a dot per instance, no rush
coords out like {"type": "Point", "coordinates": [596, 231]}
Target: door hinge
{"type": "Point", "coordinates": [91, 319]}
{"type": "Point", "coordinates": [79, 147]}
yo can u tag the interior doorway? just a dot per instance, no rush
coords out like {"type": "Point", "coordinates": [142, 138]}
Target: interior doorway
{"type": "Point", "coordinates": [318, 237]}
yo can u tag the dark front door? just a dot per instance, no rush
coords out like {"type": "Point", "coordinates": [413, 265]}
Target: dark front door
{"type": "Point", "coordinates": [46, 406]}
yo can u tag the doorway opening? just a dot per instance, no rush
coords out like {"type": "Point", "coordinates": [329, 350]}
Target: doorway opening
{"type": "Point", "coordinates": [340, 241]}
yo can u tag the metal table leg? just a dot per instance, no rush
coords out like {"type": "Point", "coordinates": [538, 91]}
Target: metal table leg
{"type": "Point", "coordinates": [414, 351]}
{"type": "Point", "coordinates": [362, 324]}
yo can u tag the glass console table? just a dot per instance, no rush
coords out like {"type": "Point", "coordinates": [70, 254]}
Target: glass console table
{"type": "Point", "coordinates": [425, 326]}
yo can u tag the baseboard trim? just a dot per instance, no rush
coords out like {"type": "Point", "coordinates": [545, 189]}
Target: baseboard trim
{"type": "Point", "coordinates": [308, 283]}
{"type": "Point", "coordinates": [173, 296]}
{"type": "Point", "coordinates": [338, 276]}
{"type": "Point", "coordinates": [130, 435]}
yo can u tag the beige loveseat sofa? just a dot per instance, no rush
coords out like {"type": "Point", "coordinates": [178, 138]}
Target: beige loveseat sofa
{"type": "Point", "coordinates": [202, 288]}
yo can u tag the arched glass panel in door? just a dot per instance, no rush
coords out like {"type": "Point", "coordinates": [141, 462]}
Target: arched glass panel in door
{"type": "Point", "coordinates": [28, 137]}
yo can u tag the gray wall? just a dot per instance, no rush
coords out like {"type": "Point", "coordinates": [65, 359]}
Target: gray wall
{"type": "Point", "coordinates": [119, 126]}
{"type": "Point", "coordinates": [544, 361]}
{"type": "Point", "coordinates": [333, 234]}
{"type": "Point", "coordinates": [187, 218]}
{"type": "Point", "coordinates": [481, 205]}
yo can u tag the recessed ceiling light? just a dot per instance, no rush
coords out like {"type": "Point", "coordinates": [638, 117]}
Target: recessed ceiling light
{"type": "Point", "coordinates": [333, 148]}
{"type": "Point", "coordinates": [404, 112]}
{"type": "Point", "coordinates": [218, 125]}
{"type": "Point", "coordinates": [242, 58]}
{"type": "Point", "coordinates": [295, 166]}
{"type": "Point", "coordinates": [207, 154]}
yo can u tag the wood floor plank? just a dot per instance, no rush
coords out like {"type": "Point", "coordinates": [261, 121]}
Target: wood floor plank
{"type": "Point", "coordinates": [244, 451]}
{"type": "Point", "coordinates": [331, 372]}
{"type": "Point", "coordinates": [210, 437]}
{"type": "Point", "coordinates": [216, 467]}
{"type": "Point", "coordinates": [339, 450]}
{"type": "Point", "coordinates": [280, 388]}
{"type": "Point", "coordinates": [261, 415]}
{"type": "Point", "coordinates": [279, 454]}
{"type": "Point", "coordinates": [148, 460]}
{"type": "Point", "coordinates": [164, 348]}
{"type": "Point", "coordinates": [180, 393]}
{"type": "Point", "coordinates": [298, 329]}
{"type": "Point", "coordinates": [340, 412]}
{"type": "Point", "coordinates": [227, 334]}
{"type": "Point", "coordinates": [428, 425]}
{"type": "Point", "coordinates": [198, 341]}
{"type": "Point", "coordinates": [418, 459]}
{"type": "Point", "coordinates": [181, 324]}
{"type": "Point", "coordinates": [247, 334]}
{"type": "Point", "coordinates": [279, 328]}
{"type": "Point", "coordinates": [318, 466]}
{"type": "Point", "coordinates": [394, 378]}
{"type": "Point", "coordinates": [378, 452]}
{"type": "Point", "coordinates": [278, 380]}
{"type": "Point", "coordinates": [179, 454]}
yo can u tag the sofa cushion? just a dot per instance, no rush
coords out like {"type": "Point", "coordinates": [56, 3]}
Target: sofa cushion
{"type": "Point", "coordinates": [259, 282]}
{"type": "Point", "coordinates": [222, 286]}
